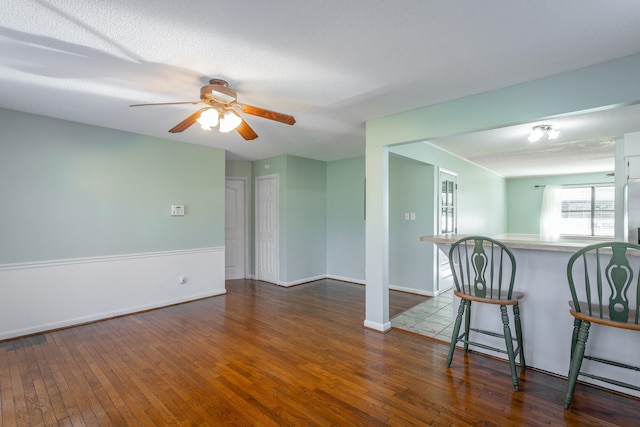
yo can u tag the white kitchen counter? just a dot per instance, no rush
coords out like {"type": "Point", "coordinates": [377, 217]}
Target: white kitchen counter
{"type": "Point", "coordinates": [541, 274]}
{"type": "Point", "coordinates": [520, 241]}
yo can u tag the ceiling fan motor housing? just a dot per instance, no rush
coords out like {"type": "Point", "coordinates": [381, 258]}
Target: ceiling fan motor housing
{"type": "Point", "coordinates": [217, 91]}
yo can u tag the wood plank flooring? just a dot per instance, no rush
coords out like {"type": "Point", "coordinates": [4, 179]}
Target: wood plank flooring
{"type": "Point", "coordinates": [270, 356]}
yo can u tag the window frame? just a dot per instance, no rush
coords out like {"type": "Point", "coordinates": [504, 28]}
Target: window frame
{"type": "Point", "coordinates": [592, 209]}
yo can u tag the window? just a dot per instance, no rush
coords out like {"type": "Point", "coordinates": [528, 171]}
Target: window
{"type": "Point", "coordinates": [587, 211]}
{"type": "Point", "coordinates": [447, 203]}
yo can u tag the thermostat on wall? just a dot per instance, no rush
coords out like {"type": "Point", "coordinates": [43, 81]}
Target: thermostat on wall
{"type": "Point", "coordinates": [177, 210]}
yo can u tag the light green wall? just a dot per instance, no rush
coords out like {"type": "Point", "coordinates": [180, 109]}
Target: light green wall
{"type": "Point", "coordinates": [524, 199]}
{"type": "Point", "coordinates": [345, 219]}
{"type": "Point", "coordinates": [302, 215]}
{"type": "Point", "coordinates": [411, 190]}
{"type": "Point", "coordinates": [238, 169]}
{"type": "Point", "coordinates": [71, 190]}
{"type": "Point", "coordinates": [316, 198]}
{"type": "Point", "coordinates": [306, 213]}
{"type": "Point", "coordinates": [481, 194]}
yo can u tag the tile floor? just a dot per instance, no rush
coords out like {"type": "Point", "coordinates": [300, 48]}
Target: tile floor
{"type": "Point", "coordinates": [433, 318]}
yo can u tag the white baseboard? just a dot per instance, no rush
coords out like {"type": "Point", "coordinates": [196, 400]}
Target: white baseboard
{"type": "Point", "coordinates": [347, 279]}
{"type": "Point", "coordinates": [41, 296]}
{"type": "Point", "coordinates": [412, 291]}
{"type": "Point", "coordinates": [320, 277]}
{"type": "Point", "coordinates": [301, 281]}
{"type": "Point", "coordinates": [311, 279]}
{"type": "Point", "coordinates": [381, 327]}
{"type": "Point", "coordinates": [442, 291]}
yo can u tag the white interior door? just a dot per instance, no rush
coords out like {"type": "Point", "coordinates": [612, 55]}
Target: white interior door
{"type": "Point", "coordinates": [235, 228]}
{"type": "Point", "coordinates": [267, 228]}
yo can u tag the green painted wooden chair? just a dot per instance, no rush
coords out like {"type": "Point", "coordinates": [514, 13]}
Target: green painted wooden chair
{"type": "Point", "coordinates": [484, 271]}
{"type": "Point", "coordinates": [605, 289]}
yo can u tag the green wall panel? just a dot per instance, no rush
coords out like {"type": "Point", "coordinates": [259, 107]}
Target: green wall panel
{"type": "Point", "coordinates": [481, 194]}
{"type": "Point", "coordinates": [345, 218]}
{"type": "Point", "coordinates": [306, 226]}
{"type": "Point", "coordinates": [411, 190]}
{"type": "Point", "coordinates": [81, 191]}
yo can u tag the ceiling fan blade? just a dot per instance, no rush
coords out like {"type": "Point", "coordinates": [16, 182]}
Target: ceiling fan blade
{"type": "Point", "coordinates": [271, 115]}
{"type": "Point", "coordinates": [188, 121]}
{"type": "Point", "coordinates": [246, 131]}
{"type": "Point", "coordinates": [166, 103]}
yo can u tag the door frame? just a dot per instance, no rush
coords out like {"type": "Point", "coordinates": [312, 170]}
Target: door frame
{"type": "Point", "coordinates": [245, 219]}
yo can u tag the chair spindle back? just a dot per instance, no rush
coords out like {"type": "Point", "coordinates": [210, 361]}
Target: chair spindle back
{"type": "Point", "coordinates": [482, 267]}
{"type": "Point", "coordinates": [605, 281]}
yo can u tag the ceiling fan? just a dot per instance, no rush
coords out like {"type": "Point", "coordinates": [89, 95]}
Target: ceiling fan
{"type": "Point", "coordinates": [223, 111]}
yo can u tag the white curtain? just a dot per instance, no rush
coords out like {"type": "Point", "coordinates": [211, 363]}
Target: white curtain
{"type": "Point", "coordinates": [550, 213]}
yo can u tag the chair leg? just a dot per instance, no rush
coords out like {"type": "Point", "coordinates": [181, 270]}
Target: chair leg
{"type": "Point", "coordinates": [456, 331]}
{"type": "Point", "coordinates": [574, 338]}
{"type": "Point", "coordinates": [467, 326]}
{"type": "Point", "coordinates": [516, 317]}
{"type": "Point", "coordinates": [576, 361]}
{"type": "Point", "coordinates": [509, 343]}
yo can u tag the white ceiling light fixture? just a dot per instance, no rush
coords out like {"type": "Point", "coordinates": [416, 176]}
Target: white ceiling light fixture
{"type": "Point", "coordinates": [229, 120]}
{"type": "Point", "coordinates": [537, 132]}
{"type": "Point", "coordinates": [208, 119]}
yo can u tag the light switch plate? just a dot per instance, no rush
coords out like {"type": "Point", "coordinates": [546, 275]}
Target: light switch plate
{"type": "Point", "coordinates": [177, 210]}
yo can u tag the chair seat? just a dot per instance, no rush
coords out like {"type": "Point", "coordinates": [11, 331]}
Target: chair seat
{"type": "Point", "coordinates": [583, 314]}
{"type": "Point", "coordinates": [501, 300]}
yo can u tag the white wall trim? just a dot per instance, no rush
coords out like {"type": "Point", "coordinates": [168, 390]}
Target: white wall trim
{"type": "Point", "coordinates": [107, 258]}
{"type": "Point", "coordinates": [41, 296]}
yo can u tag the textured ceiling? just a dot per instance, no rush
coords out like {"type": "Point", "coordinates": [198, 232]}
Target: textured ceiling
{"type": "Point", "coordinates": [585, 144]}
{"type": "Point", "coordinates": [332, 64]}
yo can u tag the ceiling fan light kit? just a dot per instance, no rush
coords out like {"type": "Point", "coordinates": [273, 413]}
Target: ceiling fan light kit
{"type": "Point", "coordinates": [229, 121]}
{"type": "Point", "coordinates": [222, 111]}
{"type": "Point", "coordinates": [208, 119]}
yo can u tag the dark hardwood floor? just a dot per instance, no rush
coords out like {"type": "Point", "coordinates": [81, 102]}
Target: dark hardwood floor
{"type": "Point", "coordinates": [271, 356]}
